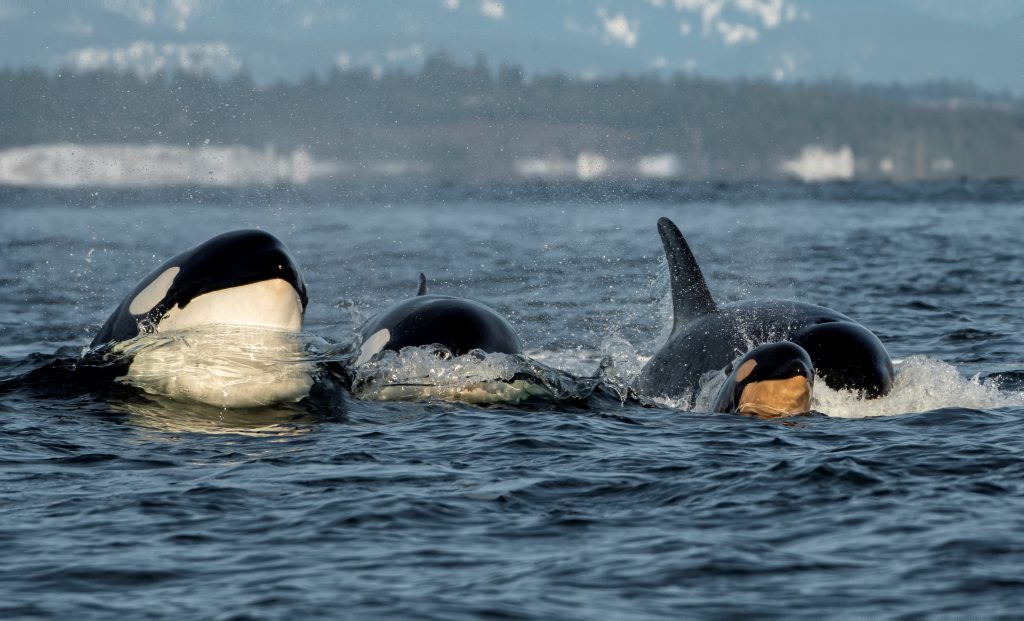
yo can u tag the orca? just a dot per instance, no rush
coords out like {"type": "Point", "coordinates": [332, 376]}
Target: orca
{"type": "Point", "coordinates": [215, 324]}
{"type": "Point", "coordinates": [770, 381]}
{"type": "Point", "coordinates": [707, 337]}
{"type": "Point", "coordinates": [242, 277]}
{"type": "Point", "coordinates": [438, 347]}
{"type": "Point", "coordinates": [460, 325]}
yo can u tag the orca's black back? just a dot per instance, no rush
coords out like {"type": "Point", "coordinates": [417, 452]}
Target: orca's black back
{"type": "Point", "coordinates": [459, 324]}
{"type": "Point", "coordinates": [712, 341]}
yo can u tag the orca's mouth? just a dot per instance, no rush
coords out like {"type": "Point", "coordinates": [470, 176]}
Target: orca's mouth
{"type": "Point", "coordinates": [776, 398]}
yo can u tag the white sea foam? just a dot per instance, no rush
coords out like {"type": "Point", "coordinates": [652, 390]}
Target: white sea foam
{"type": "Point", "coordinates": [922, 384]}
{"type": "Point", "coordinates": [432, 373]}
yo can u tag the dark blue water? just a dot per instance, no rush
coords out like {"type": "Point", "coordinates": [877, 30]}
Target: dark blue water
{"type": "Point", "coordinates": [115, 504]}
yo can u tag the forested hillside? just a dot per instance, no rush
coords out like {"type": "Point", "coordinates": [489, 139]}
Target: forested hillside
{"type": "Point", "coordinates": [476, 123]}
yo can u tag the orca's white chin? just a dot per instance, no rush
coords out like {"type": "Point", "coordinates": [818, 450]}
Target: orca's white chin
{"type": "Point", "coordinates": [273, 304]}
{"type": "Point", "coordinates": [776, 398]}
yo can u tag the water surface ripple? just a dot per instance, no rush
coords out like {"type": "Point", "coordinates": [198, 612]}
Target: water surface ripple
{"type": "Point", "coordinates": [115, 504]}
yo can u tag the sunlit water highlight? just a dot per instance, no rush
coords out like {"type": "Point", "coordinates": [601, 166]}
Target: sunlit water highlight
{"type": "Point", "coordinates": [568, 504]}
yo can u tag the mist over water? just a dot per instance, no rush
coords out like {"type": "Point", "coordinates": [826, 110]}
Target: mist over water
{"type": "Point", "coordinates": [575, 508]}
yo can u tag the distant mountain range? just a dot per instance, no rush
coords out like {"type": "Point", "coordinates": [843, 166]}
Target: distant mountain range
{"type": "Point", "coordinates": [976, 41]}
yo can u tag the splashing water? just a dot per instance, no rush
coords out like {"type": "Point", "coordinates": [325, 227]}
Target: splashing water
{"type": "Point", "coordinates": [433, 373]}
{"type": "Point", "coordinates": [922, 384]}
{"type": "Point", "coordinates": [223, 366]}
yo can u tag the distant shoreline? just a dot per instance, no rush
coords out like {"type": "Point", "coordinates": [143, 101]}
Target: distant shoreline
{"type": "Point", "coordinates": [471, 125]}
{"type": "Point", "coordinates": [659, 191]}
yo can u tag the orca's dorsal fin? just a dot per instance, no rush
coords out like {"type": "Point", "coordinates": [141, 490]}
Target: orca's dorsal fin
{"type": "Point", "coordinates": [690, 295]}
{"type": "Point", "coordinates": [422, 290]}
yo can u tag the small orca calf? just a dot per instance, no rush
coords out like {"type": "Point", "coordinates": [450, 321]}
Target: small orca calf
{"type": "Point", "coordinates": [706, 338]}
{"type": "Point", "coordinates": [458, 324]}
{"type": "Point", "coordinates": [215, 324]}
{"type": "Point", "coordinates": [769, 381]}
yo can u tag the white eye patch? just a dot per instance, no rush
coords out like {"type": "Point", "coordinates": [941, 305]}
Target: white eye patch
{"type": "Point", "coordinates": [372, 345]}
{"type": "Point", "coordinates": [154, 292]}
{"type": "Point", "coordinates": [745, 369]}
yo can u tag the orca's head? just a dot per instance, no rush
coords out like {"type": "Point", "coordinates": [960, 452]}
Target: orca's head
{"type": "Point", "coordinates": [245, 278]}
{"type": "Point", "coordinates": [769, 381]}
{"type": "Point", "coordinates": [848, 356]}
{"type": "Point", "coordinates": [459, 325]}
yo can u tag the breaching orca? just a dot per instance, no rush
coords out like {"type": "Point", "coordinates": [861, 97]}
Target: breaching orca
{"type": "Point", "coordinates": [706, 337]}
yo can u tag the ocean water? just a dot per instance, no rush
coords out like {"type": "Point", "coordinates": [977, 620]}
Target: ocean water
{"type": "Point", "coordinates": [583, 505]}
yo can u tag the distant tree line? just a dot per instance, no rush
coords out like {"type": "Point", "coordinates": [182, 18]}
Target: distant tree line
{"type": "Point", "coordinates": [469, 123]}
